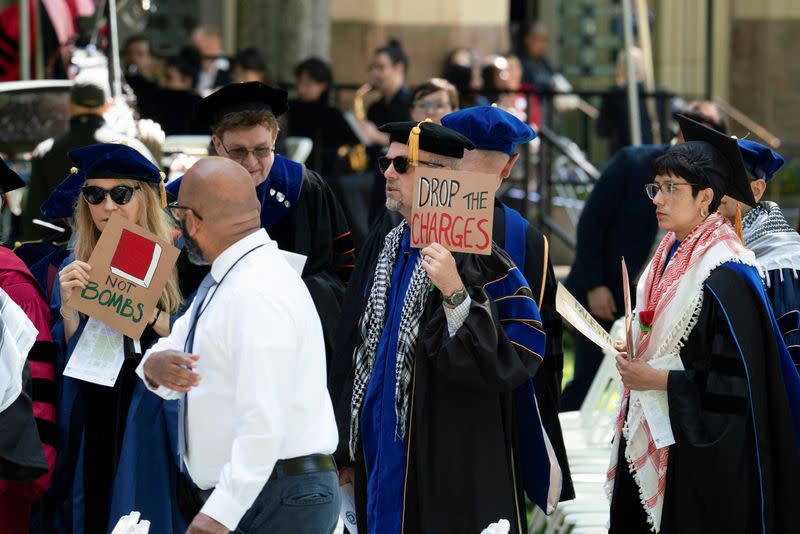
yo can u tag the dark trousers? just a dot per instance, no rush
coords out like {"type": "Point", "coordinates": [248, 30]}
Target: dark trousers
{"type": "Point", "coordinates": [307, 503]}
{"type": "Point", "coordinates": [588, 357]}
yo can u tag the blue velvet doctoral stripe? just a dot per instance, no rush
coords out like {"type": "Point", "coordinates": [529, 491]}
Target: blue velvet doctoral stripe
{"type": "Point", "coordinates": [521, 321]}
{"type": "Point", "coordinates": [384, 451]}
{"type": "Point", "coordinates": [518, 307]}
{"type": "Point", "coordinates": [286, 178]}
{"type": "Point", "coordinates": [784, 295]}
{"type": "Point", "coordinates": [791, 378]}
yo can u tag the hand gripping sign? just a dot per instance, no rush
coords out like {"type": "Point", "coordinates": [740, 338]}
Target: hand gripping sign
{"type": "Point", "coordinates": [130, 268]}
{"type": "Point", "coordinates": [454, 209]}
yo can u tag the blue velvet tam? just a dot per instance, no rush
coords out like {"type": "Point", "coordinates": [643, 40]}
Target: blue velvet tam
{"type": "Point", "coordinates": [490, 128]}
{"type": "Point", "coordinates": [759, 160]}
{"type": "Point", "coordinates": [104, 160]}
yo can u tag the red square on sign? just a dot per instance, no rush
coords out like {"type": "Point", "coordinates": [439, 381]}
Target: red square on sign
{"type": "Point", "coordinates": [135, 258]}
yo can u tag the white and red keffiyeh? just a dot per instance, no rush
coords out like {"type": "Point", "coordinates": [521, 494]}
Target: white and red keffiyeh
{"type": "Point", "coordinates": [675, 295]}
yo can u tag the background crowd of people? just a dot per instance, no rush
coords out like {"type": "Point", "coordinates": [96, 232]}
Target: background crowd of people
{"type": "Point", "coordinates": [392, 368]}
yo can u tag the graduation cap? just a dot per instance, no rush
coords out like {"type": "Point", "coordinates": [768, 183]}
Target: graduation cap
{"type": "Point", "coordinates": [427, 136]}
{"type": "Point", "coordinates": [9, 180]}
{"type": "Point", "coordinates": [245, 96]}
{"type": "Point", "coordinates": [759, 160]}
{"type": "Point", "coordinates": [104, 160]}
{"type": "Point", "coordinates": [490, 128]}
{"type": "Point", "coordinates": [717, 158]}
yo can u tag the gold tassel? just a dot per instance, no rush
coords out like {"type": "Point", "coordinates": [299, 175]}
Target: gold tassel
{"type": "Point", "coordinates": [413, 143]}
{"type": "Point", "coordinates": [163, 190]}
{"type": "Point", "coordinates": [737, 222]}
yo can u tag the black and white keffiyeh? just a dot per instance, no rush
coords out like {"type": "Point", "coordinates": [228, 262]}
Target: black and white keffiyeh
{"type": "Point", "coordinates": [775, 243]}
{"type": "Point", "coordinates": [372, 325]}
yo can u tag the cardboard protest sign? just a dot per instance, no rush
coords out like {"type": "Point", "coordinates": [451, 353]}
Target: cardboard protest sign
{"type": "Point", "coordinates": [454, 209]}
{"type": "Point", "coordinates": [130, 268]}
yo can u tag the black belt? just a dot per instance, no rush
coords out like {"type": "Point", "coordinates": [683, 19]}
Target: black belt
{"type": "Point", "coordinates": [302, 465]}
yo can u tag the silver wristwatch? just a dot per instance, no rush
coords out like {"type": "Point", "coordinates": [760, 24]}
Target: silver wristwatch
{"type": "Point", "coordinates": [456, 298]}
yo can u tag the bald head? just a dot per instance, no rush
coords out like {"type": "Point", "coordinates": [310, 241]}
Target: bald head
{"type": "Point", "coordinates": [498, 164]}
{"type": "Point", "coordinates": [221, 192]}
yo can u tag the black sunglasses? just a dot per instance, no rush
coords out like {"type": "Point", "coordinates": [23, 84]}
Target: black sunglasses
{"type": "Point", "coordinates": [121, 194]}
{"type": "Point", "coordinates": [401, 164]}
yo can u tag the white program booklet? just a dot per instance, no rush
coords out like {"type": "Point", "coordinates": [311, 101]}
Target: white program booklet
{"type": "Point", "coordinates": [98, 356]}
{"type": "Point", "coordinates": [348, 511]}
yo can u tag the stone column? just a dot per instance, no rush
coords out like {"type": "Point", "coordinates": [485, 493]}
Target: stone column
{"type": "Point", "coordinates": [287, 31]}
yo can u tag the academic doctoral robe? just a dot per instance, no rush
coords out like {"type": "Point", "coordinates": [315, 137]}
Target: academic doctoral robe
{"type": "Point", "coordinates": [457, 468]}
{"type": "Point", "coordinates": [735, 464]}
{"type": "Point", "coordinates": [529, 249]}
{"type": "Point", "coordinates": [28, 426]}
{"type": "Point", "coordinates": [92, 424]}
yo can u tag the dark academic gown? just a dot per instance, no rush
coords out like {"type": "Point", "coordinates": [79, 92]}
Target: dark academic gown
{"type": "Point", "coordinates": [92, 422]}
{"type": "Point", "coordinates": [460, 473]}
{"type": "Point", "coordinates": [618, 220]}
{"type": "Point", "coordinates": [27, 427]}
{"type": "Point", "coordinates": [734, 412]}
{"type": "Point", "coordinates": [783, 292]}
{"type": "Point", "coordinates": [174, 111]}
{"type": "Point", "coordinates": [326, 127]}
{"type": "Point", "coordinates": [312, 224]}
{"type": "Point", "coordinates": [529, 249]}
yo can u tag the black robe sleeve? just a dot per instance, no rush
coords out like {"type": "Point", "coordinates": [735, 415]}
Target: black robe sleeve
{"type": "Point", "coordinates": [321, 233]}
{"type": "Point", "coordinates": [479, 355]}
{"type": "Point", "coordinates": [547, 382]}
{"type": "Point", "coordinates": [21, 454]}
{"type": "Point", "coordinates": [735, 449]}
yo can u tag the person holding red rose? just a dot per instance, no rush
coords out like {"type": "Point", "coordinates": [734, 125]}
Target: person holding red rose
{"type": "Point", "coordinates": [709, 423]}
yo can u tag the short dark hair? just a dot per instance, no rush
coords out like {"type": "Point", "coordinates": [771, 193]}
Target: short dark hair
{"type": "Point", "coordinates": [319, 71]}
{"type": "Point", "coordinates": [432, 86]}
{"type": "Point", "coordinates": [394, 50]}
{"type": "Point", "coordinates": [187, 62]}
{"type": "Point", "coordinates": [138, 38]}
{"type": "Point", "coordinates": [250, 59]}
{"type": "Point", "coordinates": [677, 165]}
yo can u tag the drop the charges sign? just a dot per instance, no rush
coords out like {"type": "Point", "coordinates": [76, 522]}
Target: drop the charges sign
{"type": "Point", "coordinates": [130, 268]}
{"type": "Point", "coordinates": [454, 209]}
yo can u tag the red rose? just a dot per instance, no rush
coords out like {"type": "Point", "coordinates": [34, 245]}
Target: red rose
{"type": "Point", "coordinates": [646, 320]}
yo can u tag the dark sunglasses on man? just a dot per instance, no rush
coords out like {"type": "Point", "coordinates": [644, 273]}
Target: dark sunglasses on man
{"type": "Point", "coordinates": [401, 164]}
{"type": "Point", "coordinates": [121, 194]}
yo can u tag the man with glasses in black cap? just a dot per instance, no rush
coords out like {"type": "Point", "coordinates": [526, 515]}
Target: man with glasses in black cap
{"type": "Point", "coordinates": [298, 209]}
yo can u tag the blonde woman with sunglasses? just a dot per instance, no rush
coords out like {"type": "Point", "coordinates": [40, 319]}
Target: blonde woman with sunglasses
{"type": "Point", "coordinates": [107, 179]}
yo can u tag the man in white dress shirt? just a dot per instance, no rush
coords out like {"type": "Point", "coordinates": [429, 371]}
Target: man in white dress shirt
{"type": "Point", "coordinates": [247, 361]}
